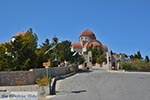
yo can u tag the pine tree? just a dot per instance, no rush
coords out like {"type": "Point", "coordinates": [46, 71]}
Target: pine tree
{"type": "Point", "coordinates": [147, 59]}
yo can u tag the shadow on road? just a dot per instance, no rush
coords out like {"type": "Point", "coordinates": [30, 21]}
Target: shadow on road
{"type": "Point", "coordinates": [84, 71]}
{"type": "Point", "coordinates": [66, 92]}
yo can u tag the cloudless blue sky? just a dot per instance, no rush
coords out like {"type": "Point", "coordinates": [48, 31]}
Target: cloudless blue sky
{"type": "Point", "coordinates": [123, 25]}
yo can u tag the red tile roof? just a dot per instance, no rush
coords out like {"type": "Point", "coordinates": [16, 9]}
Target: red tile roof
{"type": "Point", "coordinates": [92, 43]}
{"type": "Point", "coordinates": [7, 43]}
{"type": "Point", "coordinates": [20, 34]}
{"type": "Point", "coordinates": [88, 32]}
{"type": "Point", "coordinates": [105, 48]}
{"type": "Point", "coordinates": [76, 45]}
{"type": "Point", "coordinates": [96, 44]}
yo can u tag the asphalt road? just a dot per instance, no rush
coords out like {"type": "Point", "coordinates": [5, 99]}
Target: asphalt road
{"type": "Point", "coordinates": [102, 85]}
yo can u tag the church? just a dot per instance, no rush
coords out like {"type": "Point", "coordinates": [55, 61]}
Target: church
{"type": "Point", "coordinates": [86, 39]}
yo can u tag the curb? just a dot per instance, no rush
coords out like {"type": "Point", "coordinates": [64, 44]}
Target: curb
{"type": "Point", "coordinates": [65, 76]}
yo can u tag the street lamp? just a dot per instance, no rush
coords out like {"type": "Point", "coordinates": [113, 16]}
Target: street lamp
{"type": "Point", "coordinates": [75, 57]}
{"type": "Point", "coordinates": [47, 65]}
{"type": "Point", "coordinates": [49, 70]}
{"type": "Point", "coordinates": [121, 61]}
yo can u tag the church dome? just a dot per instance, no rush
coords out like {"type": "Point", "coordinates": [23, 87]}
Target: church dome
{"type": "Point", "coordinates": [89, 33]}
{"type": "Point", "coordinates": [93, 44]}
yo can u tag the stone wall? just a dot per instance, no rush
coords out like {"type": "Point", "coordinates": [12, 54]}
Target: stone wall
{"type": "Point", "coordinates": [20, 77]}
{"type": "Point", "coordinates": [13, 78]}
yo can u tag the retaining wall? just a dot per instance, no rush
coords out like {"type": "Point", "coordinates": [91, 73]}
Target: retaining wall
{"type": "Point", "coordinates": [13, 78]}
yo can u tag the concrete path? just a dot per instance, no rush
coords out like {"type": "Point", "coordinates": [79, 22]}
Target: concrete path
{"type": "Point", "coordinates": [102, 85]}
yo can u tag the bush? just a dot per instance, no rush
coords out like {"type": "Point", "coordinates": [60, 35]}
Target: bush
{"type": "Point", "coordinates": [126, 66]}
{"type": "Point", "coordinates": [71, 69]}
{"type": "Point", "coordinates": [44, 81]}
{"type": "Point", "coordinates": [136, 65]}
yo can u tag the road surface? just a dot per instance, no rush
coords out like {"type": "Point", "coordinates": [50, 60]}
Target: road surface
{"type": "Point", "coordinates": [103, 85]}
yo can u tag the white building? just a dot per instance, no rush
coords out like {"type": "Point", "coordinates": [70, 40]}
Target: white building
{"type": "Point", "coordinates": [86, 39]}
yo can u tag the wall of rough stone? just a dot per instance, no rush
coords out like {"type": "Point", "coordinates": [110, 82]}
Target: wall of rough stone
{"type": "Point", "coordinates": [13, 78]}
{"type": "Point", "coordinates": [20, 77]}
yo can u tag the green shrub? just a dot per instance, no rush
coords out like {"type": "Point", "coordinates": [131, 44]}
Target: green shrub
{"type": "Point", "coordinates": [136, 65]}
{"type": "Point", "coordinates": [44, 81]}
{"type": "Point", "coordinates": [126, 66]}
{"type": "Point", "coordinates": [71, 69]}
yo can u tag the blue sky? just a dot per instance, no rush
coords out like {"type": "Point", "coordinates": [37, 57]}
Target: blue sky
{"type": "Point", "coordinates": [123, 25]}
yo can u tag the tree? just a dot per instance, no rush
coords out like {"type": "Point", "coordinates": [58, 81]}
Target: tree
{"type": "Point", "coordinates": [80, 59]}
{"type": "Point", "coordinates": [40, 52]}
{"type": "Point", "coordinates": [147, 59]}
{"type": "Point", "coordinates": [98, 55]}
{"type": "Point", "coordinates": [139, 55]}
{"type": "Point", "coordinates": [101, 59]}
{"type": "Point", "coordinates": [46, 43]}
{"type": "Point", "coordinates": [136, 56]}
{"type": "Point", "coordinates": [20, 53]}
{"type": "Point", "coordinates": [64, 51]}
{"type": "Point", "coordinates": [5, 56]}
{"type": "Point", "coordinates": [25, 54]}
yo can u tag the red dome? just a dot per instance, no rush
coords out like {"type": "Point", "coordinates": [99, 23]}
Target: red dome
{"type": "Point", "coordinates": [93, 43]}
{"type": "Point", "coordinates": [88, 33]}
{"type": "Point", "coordinates": [105, 48]}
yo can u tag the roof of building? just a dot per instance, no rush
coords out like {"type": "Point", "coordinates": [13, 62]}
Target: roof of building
{"type": "Point", "coordinates": [93, 43]}
{"type": "Point", "coordinates": [77, 45]}
{"type": "Point", "coordinates": [88, 32]}
{"type": "Point", "coordinates": [7, 43]}
{"type": "Point", "coordinates": [20, 34]}
{"type": "Point", "coordinates": [105, 48]}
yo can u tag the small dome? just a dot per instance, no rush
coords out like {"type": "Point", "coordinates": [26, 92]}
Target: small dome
{"type": "Point", "coordinates": [93, 43]}
{"type": "Point", "coordinates": [88, 33]}
{"type": "Point", "coordinates": [105, 48]}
